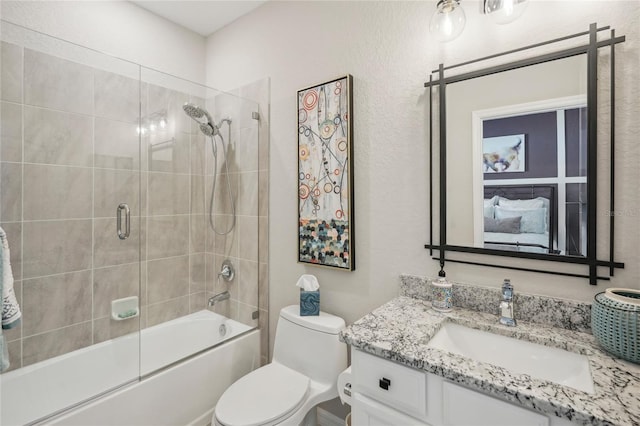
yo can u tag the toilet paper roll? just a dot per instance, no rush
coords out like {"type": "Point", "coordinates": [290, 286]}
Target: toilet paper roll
{"type": "Point", "coordinates": [344, 386]}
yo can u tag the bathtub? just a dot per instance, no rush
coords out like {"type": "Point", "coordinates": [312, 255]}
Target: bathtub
{"type": "Point", "coordinates": [160, 386]}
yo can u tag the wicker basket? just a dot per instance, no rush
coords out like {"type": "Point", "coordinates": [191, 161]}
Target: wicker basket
{"type": "Point", "coordinates": [616, 325]}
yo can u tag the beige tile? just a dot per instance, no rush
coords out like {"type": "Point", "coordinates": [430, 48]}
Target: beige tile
{"type": "Point", "coordinates": [15, 355]}
{"type": "Point", "coordinates": [107, 328]}
{"type": "Point", "coordinates": [263, 147]}
{"type": "Point", "coordinates": [223, 308]}
{"type": "Point", "coordinates": [248, 194]}
{"type": "Point", "coordinates": [169, 101]}
{"type": "Point", "coordinates": [199, 225]}
{"type": "Point", "coordinates": [168, 279]}
{"type": "Point", "coordinates": [56, 301]}
{"type": "Point", "coordinates": [117, 97]}
{"type": "Point", "coordinates": [216, 284]}
{"type": "Point", "coordinates": [263, 239]}
{"type": "Point", "coordinates": [225, 185]}
{"type": "Point", "coordinates": [263, 286]}
{"type": "Point", "coordinates": [248, 282]}
{"type": "Point", "coordinates": [226, 245]}
{"type": "Point", "coordinates": [57, 83]}
{"type": "Point", "coordinates": [14, 237]}
{"type": "Point", "coordinates": [109, 250]}
{"type": "Point", "coordinates": [167, 236]}
{"type": "Point", "coordinates": [10, 192]}
{"type": "Point", "coordinates": [15, 333]}
{"type": "Point", "coordinates": [199, 146]}
{"type": "Point", "coordinates": [263, 193]}
{"type": "Point", "coordinates": [54, 192]}
{"type": "Point", "coordinates": [55, 137]}
{"type": "Point", "coordinates": [263, 324]}
{"type": "Point", "coordinates": [197, 302]}
{"type": "Point", "coordinates": [166, 311]}
{"type": "Point", "coordinates": [198, 197]}
{"type": "Point", "coordinates": [11, 74]}
{"type": "Point", "coordinates": [247, 150]}
{"type": "Point", "coordinates": [115, 282]}
{"type": "Point", "coordinates": [245, 315]}
{"type": "Point", "coordinates": [248, 237]}
{"type": "Point", "coordinates": [56, 247]}
{"type": "Point", "coordinates": [112, 187]}
{"type": "Point", "coordinates": [58, 342]}
{"type": "Point", "coordinates": [11, 132]}
{"type": "Point", "coordinates": [117, 145]}
{"type": "Point", "coordinates": [168, 194]}
{"type": "Point", "coordinates": [197, 265]}
{"type": "Point", "coordinates": [169, 152]}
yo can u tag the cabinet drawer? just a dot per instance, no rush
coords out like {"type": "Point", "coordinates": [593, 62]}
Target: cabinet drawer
{"type": "Point", "coordinates": [464, 407]}
{"type": "Point", "coordinates": [367, 412]}
{"type": "Point", "coordinates": [400, 387]}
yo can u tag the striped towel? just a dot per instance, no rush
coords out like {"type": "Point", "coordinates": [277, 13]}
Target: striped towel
{"type": "Point", "coordinates": [10, 309]}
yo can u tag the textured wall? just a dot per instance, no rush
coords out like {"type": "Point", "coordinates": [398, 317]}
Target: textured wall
{"type": "Point", "coordinates": [387, 49]}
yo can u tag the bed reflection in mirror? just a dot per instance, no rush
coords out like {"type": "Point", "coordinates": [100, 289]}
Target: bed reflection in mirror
{"type": "Point", "coordinates": [516, 159]}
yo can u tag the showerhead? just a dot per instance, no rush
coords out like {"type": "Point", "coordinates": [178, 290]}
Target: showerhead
{"type": "Point", "coordinates": [198, 113]}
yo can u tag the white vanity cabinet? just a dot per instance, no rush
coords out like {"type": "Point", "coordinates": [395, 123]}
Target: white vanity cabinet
{"type": "Point", "coordinates": [389, 394]}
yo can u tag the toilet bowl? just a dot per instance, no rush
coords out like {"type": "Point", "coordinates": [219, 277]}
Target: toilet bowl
{"type": "Point", "coordinates": [307, 359]}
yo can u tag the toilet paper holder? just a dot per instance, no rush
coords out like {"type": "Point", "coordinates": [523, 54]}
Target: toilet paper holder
{"type": "Point", "coordinates": [347, 389]}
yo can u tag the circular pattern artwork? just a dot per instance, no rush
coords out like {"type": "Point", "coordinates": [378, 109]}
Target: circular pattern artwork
{"type": "Point", "coordinates": [324, 175]}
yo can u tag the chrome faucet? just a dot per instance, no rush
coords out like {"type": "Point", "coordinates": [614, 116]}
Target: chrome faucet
{"type": "Point", "coordinates": [218, 298]}
{"type": "Point", "coordinates": [506, 306]}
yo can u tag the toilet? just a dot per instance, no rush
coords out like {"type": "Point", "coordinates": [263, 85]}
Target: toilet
{"type": "Point", "coordinates": [307, 359]}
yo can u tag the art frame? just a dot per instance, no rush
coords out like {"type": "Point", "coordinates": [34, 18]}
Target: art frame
{"type": "Point", "coordinates": [325, 174]}
{"type": "Point", "coordinates": [504, 154]}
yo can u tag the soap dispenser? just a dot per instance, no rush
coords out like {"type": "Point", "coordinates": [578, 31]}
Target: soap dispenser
{"type": "Point", "coordinates": [441, 293]}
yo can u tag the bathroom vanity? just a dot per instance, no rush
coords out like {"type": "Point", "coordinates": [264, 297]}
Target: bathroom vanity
{"type": "Point", "coordinates": [403, 375]}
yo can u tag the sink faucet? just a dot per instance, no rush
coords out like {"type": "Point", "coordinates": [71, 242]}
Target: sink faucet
{"type": "Point", "coordinates": [219, 298]}
{"type": "Point", "coordinates": [506, 306]}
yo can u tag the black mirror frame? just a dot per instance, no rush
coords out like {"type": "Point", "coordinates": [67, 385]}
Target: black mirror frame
{"type": "Point", "coordinates": [437, 80]}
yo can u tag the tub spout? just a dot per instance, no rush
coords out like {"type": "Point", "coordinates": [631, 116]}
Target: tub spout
{"type": "Point", "coordinates": [219, 298]}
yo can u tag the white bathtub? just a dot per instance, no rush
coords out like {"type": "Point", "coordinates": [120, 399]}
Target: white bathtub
{"type": "Point", "coordinates": [184, 393]}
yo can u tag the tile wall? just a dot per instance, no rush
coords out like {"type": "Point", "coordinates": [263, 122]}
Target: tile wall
{"type": "Point", "coordinates": [69, 155]}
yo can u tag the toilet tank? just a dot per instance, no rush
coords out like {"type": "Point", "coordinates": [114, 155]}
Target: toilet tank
{"type": "Point", "coordinates": [310, 344]}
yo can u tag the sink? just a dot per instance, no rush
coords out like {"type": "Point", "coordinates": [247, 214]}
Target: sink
{"type": "Point", "coordinates": [519, 356]}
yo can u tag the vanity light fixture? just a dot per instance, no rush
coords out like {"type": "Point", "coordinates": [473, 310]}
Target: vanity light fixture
{"type": "Point", "coordinates": [448, 21]}
{"type": "Point", "coordinates": [504, 11]}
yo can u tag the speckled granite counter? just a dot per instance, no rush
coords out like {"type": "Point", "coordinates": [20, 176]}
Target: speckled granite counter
{"type": "Point", "coordinates": [400, 329]}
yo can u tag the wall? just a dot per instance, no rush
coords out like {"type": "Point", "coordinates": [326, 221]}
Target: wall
{"type": "Point", "coordinates": [118, 28]}
{"type": "Point", "coordinates": [387, 49]}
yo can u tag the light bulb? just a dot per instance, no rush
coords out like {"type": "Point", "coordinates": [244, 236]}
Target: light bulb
{"type": "Point", "coordinates": [163, 123]}
{"type": "Point", "coordinates": [448, 21]}
{"type": "Point", "coordinates": [152, 127]}
{"type": "Point", "coordinates": [504, 11]}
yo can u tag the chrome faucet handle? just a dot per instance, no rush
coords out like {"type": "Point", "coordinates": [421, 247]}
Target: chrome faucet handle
{"type": "Point", "coordinates": [506, 305]}
{"type": "Point", "coordinates": [507, 290]}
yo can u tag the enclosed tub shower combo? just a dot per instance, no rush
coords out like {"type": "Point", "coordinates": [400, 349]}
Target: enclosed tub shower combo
{"type": "Point", "coordinates": [129, 199]}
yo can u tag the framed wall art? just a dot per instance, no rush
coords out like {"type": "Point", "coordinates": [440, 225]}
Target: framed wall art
{"type": "Point", "coordinates": [504, 154]}
{"type": "Point", "coordinates": [325, 174]}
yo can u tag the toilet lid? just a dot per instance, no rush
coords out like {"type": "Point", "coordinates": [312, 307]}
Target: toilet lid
{"type": "Point", "coordinates": [262, 396]}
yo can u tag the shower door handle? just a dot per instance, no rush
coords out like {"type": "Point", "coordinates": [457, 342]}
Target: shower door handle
{"type": "Point", "coordinates": [127, 221]}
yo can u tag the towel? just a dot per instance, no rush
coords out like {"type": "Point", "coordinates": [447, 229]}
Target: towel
{"type": "Point", "coordinates": [10, 309]}
{"type": "Point", "coordinates": [4, 350]}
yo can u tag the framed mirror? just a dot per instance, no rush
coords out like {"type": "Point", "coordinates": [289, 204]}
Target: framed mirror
{"type": "Point", "coordinates": [516, 145]}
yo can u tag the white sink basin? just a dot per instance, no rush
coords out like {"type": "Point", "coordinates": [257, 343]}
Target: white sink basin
{"type": "Point", "coordinates": [519, 356]}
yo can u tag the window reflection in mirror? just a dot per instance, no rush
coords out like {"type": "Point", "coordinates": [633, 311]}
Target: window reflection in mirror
{"type": "Point", "coordinates": [516, 159]}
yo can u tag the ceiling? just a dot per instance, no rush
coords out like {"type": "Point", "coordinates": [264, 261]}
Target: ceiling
{"type": "Point", "coordinates": [202, 17]}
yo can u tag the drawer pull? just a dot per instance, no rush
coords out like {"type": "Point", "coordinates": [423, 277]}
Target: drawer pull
{"type": "Point", "coordinates": [384, 383]}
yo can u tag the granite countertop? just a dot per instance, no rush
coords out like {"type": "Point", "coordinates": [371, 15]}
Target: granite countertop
{"type": "Point", "coordinates": [400, 329]}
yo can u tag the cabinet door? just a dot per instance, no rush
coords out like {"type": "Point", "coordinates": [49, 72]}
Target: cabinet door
{"type": "Point", "coordinates": [464, 407]}
{"type": "Point", "coordinates": [367, 412]}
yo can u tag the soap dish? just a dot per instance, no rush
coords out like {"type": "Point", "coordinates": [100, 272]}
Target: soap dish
{"type": "Point", "coordinates": [122, 309]}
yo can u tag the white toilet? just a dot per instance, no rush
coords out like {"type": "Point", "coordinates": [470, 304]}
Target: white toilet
{"type": "Point", "coordinates": [307, 359]}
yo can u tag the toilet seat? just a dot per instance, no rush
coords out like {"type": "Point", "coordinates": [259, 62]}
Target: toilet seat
{"type": "Point", "coordinates": [268, 395]}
